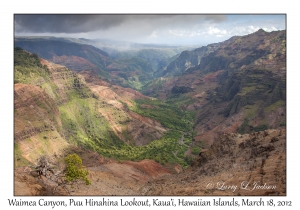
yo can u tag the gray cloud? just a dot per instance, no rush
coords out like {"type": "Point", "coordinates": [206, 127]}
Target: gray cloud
{"type": "Point", "coordinates": [146, 28]}
{"type": "Point", "coordinates": [65, 23]}
{"type": "Point", "coordinates": [59, 23]}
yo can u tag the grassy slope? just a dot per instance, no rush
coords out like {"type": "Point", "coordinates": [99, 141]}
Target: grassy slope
{"type": "Point", "coordinates": [83, 125]}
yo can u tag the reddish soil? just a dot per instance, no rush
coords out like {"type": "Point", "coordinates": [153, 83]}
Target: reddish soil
{"type": "Point", "coordinates": [108, 177]}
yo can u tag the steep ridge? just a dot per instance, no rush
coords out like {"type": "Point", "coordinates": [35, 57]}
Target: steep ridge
{"type": "Point", "coordinates": [248, 164]}
{"type": "Point", "coordinates": [94, 109]}
{"type": "Point", "coordinates": [142, 129]}
{"type": "Point", "coordinates": [58, 109]}
{"type": "Point", "coordinates": [188, 59]}
{"type": "Point", "coordinates": [128, 68]}
{"type": "Point", "coordinates": [37, 124]}
{"type": "Point", "coordinates": [238, 87]}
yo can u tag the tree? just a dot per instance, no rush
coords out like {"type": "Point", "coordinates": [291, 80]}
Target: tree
{"type": "Point", "coordinates": [43, 168]}
{"type": "Point", "coordinates": [74, 169]}
{"type": "Point", "coordinates": [71, 174]}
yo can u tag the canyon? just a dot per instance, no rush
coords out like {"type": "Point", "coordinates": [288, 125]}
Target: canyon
{"type": "Point", "coordinates": [207, 121]}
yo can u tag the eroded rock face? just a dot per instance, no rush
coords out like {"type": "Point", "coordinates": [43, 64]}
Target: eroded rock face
{"type": "Point", "coordinates": [239, 86]}
{"type": "Point", "coordinates": [37, 124]}
{"type": "Point", "coordinates": [34, 111]}
{"type": "Point", "coordinates": [249, 164]}
{"type": "Point", "coordinates": [124, 122]}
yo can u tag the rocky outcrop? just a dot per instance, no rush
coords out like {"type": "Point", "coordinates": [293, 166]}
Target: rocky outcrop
{"type": "Point", "coordinates": [64, 81]}
{"type": "Point", "coordinates": [249, 164]}
{"type": "Point", "coordinates": [188, 59]}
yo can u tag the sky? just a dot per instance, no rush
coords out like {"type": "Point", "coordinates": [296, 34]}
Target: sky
{"type": "Point", "coordinates": [170, 29]}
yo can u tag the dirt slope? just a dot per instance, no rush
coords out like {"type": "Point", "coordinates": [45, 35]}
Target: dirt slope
{"type": "Point", "coordinates": [249, 164]}
{"type": "Point", "coordinates": [108, 177]}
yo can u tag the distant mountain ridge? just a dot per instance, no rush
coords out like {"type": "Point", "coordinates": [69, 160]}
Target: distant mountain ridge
{"type": "Point", "coordinates": [188, 59]}
{"type": "Point", "coordinates": [130, 66]}
{"type": "Point", "coordinates": [52, 50]}
{"type": "Point", "coordinates": [240, 85]}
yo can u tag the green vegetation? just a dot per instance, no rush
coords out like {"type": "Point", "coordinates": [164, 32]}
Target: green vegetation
{"type": "Point", "coordinates": [155, 56]}
{"type": "Point", "coordinates": [261, 127]}
{"type": "Point", "coordinates": [19, 159]}
{"type": "Point", "coordinates": [162, 151]}
{"type": "Point", "coordinates": [75, 170]}
{"type": "Point", "coordinates": [181, 89]}
{"type": "Point", "coordinates": [131, 72]}
{"type": "Point", "coordinates": [27, 67]}
{"type": "Point", "coordinates": [133, 67]}
{"type": "Point", "coordinates": [251, 111]}
{"type": "Point", "coordinates": [168, 114]}
{"type": "Point", "coordinates": [25, 59]}
{"type": "Point", "coordinates": [246, 90]}
{"type": "Point", "coordinates": [196, 150]}
{"type": "Point", "coordinates": [182, 100]}
{"type": "Point", "coordinates": [134, 64]}
{"type": "Point", "coordinates": [152, 87]}
{"type": "Point", "coordinates": [282, 124]}
{"type": "Point", "coordinates": [246, 128]}
{"type": "Point", "coordinates": [252, 89]}
{"type": "Point", "coordinates": [275, 106]}
{"type": "Point", "coordinates": [242, 128]}
{"type": "Point", "coordinates": [80, 119]}
{"type": "Point", "coordinates": [83, 126]}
